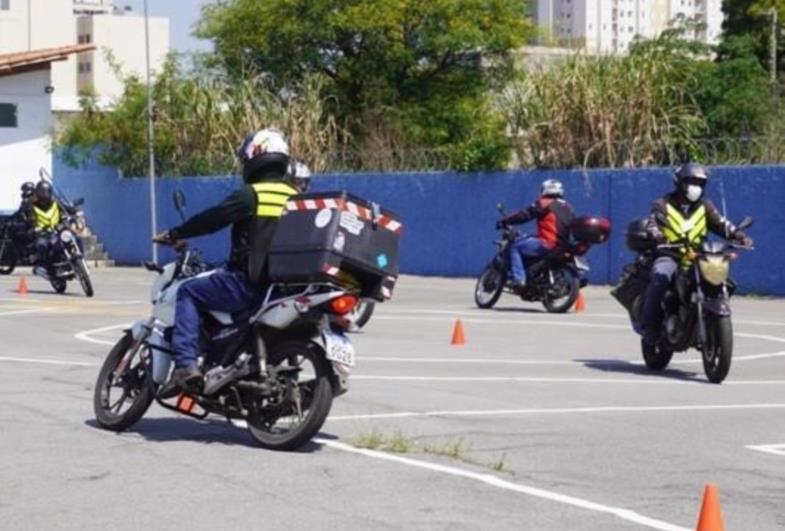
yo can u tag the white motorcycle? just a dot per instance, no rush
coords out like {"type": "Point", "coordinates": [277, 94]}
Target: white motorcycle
{"type": "Point", "coordinates": [277, 367]}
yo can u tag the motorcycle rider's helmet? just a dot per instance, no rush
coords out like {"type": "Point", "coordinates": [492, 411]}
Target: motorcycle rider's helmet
{"type": "Point", "coordinates": [638, 237]}
{"type": "Point", "coordinates": [299, 176]}
{"type": "Point", "coordinates": [552, 188]}
{"type": "Point", "coordinates": [264, 154]}
{"type": "Point", "coordinates": [690, 180]}
{"type": "Point", "coordinates": [28, 189]}
{"type": "Point", "coordinates": [44, 193]}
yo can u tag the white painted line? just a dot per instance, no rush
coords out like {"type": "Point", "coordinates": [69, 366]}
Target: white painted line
{"type": "Point", "coordinates": [774, 449]}
{"type": "Point", "coordinates": [23, 312]}
{"type": "Point", "coordinates": [509, 361]}
{"type": "Point", "coordinates": [502, 321]}
{"type": "Point", "coordinates": [49, 362]}
{"type": "Point", "coordinates": [85, 334]}
{"type": "Point", "coordinates": [664, 380]}
{"type": "Point", "coordinates": [494, 481]}
{"type": "Point", "coordinates": [556, 411]}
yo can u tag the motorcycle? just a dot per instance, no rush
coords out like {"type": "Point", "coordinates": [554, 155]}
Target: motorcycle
{"type": "Point", "coordinates": [12, 252]}
{"type": "Point", "coordinates": [276, 367]}
{"type": "Point", "coordinates": [360, 315]}
{"type": "Point", "coordinates": [696, 307]}
{"type": "Point", "coordinates": [555, 279]}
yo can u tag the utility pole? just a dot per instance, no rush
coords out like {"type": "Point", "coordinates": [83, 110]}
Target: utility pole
{"type": "Point", "coordinates": [773, 44]}
{"type": "Point", "coordinates": [150, 134]}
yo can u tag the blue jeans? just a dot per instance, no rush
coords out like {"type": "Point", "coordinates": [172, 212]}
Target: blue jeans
{"type": "Point", "coordinates": [530, 247]}
{"type": "Point", "coordinates": [222, 291]}
{"type": "Point", "coordinates": [662, 272]}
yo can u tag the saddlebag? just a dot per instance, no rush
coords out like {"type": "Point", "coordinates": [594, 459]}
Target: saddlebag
{"type": "Point", "coordinates": [340, 238]}
{"type": "Point", "coordinates": [633, 282]}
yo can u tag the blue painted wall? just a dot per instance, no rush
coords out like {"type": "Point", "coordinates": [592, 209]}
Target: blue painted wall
{"type": "Point", "coordinates": [449, 217]}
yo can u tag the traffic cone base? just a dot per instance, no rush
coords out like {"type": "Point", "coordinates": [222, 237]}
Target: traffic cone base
{"type": "Point", "coordinates": [458, 336]}
{"type": "Point", "coordinates": [580, 303]}
{"type": "Point", "coordinates": [22, 288]}
{"type": "Point", "coordinates": [710, 517]}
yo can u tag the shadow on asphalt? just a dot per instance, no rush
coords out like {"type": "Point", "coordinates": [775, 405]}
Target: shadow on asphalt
{"type": "Point", "coordinates": [516, 309]}
{"type": "Point", "coordinates": [178, 429]}
{"type": "Point", "coordinates": [48, 292]}
{"type": "Point", "coordinates": [626, 367]}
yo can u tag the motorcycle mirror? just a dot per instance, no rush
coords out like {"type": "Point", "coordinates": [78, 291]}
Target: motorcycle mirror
{"type": "Point", "coordinates": [44, 175]}
{"type": "Point", "coordinates": [179, 202]}
{"type": "Point", "coordinates": [745, 223]}
{"type": "Point", "coordinates": [500, 207]}
{"type": "Point", "coordinates": [79, 201]}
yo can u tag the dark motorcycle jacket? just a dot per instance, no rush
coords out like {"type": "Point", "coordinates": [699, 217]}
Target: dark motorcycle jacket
{"type": "Point", "coordinates": [553, 216]}
{"type": "Point", "coordinates": [674, 219]}
{"type": "Point", "coordinates": [253, 211]}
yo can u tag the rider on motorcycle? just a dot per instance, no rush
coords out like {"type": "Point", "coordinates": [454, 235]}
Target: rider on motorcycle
{"type": "Point", "coordinates": [46, 216]}
{"type": "Point", "coordinates": [679, 215]}
{"type": "Point", "coordinates": [553, 215]}
{"type": "Point", "coordinates": [253, 211]}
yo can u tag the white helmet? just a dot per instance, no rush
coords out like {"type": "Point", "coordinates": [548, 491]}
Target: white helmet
{"type": "Point", "coordinates": [263, 152]}
{"type": "Point", "coordinates": [552, 188]}
{"type": "Point", "coordinates": [300, 175]}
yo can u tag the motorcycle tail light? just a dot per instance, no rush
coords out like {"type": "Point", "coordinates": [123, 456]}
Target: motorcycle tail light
{"type": "Point", "coordinates": [343, 304]}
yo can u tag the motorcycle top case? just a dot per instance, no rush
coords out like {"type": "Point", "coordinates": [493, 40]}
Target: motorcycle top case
{"type": "Point", "coordinates": [340, 238]}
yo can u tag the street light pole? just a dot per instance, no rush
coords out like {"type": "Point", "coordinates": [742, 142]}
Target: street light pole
{"type": "Point", "coordinates": [150, 133]}
{"type": "Point", "coordinates": [773, 44]}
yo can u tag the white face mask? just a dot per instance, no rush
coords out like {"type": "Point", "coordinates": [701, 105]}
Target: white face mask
{"type": "Point", "coordinates": [694, 192]}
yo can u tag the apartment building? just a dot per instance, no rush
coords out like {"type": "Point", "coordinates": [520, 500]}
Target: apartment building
{"type": "Point", "coordinates": [610, 26]}
{"type": "Point", "coordinates": [118, 37]}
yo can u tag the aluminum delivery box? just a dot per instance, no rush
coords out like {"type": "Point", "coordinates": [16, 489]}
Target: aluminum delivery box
{"type": "Point", "coordinates": [333, 236]}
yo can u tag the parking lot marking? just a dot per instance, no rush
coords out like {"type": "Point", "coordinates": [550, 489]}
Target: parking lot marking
{"type": "Point", "coordinates": [23, 312]}
{"type": "Point", "coordinates": [558, 411]}
{"type": "Point", "coordinates": [49, 362]}
{"type": "Point", "coordinates": [509, 361]}
{"type": "Point", "coordinates": [774, 449]}
{"type": "Point", "coordinates": [547, 379]}
{"type": "Point", "coordinates": [85, 334]}
{"type": "Point", "coordinates": [497, 482]}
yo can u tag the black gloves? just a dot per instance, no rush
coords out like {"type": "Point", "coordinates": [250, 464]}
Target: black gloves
{"type": "Point", "coordinates": [741, 238]}
{"type": "Point", "coordinates": [500, 224]}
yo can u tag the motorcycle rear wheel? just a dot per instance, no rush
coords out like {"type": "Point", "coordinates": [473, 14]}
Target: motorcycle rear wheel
{"type": "Point", "coordinates": [82, 273]}
{"type": "Point", "coordinates": [655, 356]}
{"type": "Point", "coordinates": [562, 294]}
{"type": "Point", "coordinates": [489, 287]}
{"type": "Point", "coordinates": [268, 424]}
{"type": "Point", "coordinates": [8, 258]}
{"type": "Point", "coordinates": [718, 350]}
{"type": "Point", "coordinates": [135, 383]}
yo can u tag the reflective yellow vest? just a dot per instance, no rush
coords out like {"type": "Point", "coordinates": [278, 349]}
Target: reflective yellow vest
{"type": "Point", "coordinates": [47, 219]}
{"type": "Point", "coordinates": [678, 228]}
{"type": "Point", "coordinates": [271, 197]}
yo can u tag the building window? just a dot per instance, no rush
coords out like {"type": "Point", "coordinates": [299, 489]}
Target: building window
{"type": "Point", "coordinates": [85, 38]}
{"type": "Point", "coordinates": [85, 68]}
{"type": "Point", "coordinates": [8, 116]}
{"type": "Point", "coordinates": [5, 5]}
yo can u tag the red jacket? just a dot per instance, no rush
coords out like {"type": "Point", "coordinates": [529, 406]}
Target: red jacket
{"type": "Point", "coordinates": [553, 216]}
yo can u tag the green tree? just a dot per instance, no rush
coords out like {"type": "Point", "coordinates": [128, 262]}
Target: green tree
{"type": "Point", "coordinates": [403, 72]}
{"type": "Point", "coordinates": [752, 18]}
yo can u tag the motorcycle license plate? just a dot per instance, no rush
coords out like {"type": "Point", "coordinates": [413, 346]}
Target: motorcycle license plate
{"type": "Point", "coordinates": [581, 263]}
{"type": "Point", "coordinates": [339, 348]}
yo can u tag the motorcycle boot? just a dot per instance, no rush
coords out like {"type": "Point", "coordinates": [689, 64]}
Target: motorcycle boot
{"type": "Point", "coordinates": [188, 378]}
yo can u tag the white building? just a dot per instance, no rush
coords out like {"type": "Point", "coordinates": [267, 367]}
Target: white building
{"type": "Point", "coordinates": [26, 117]}
{"type": "Point", "coordinates": [37, 24]}
{"type": "Point", "coordinates": [610, 26]}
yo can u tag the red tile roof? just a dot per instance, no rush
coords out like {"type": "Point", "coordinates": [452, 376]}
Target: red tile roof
{"type": "Point", "coordinates": [11, 63]}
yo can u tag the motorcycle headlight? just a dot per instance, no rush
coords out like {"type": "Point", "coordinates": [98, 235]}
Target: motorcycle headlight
{"type": "Point", "coordinates": [714, 269]}
{"type": "Point", "coordinates": [66, 236]}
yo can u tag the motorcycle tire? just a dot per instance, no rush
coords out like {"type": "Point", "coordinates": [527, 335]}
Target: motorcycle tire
{"type": "Point", "coordinates": [568, 285]}
{"type": "Point", "coordinates": [141, 386]}
{"type": "Point", "coordinates": [83, 274]}
{"type": "Point", "coordinates": [718, 350]}
{"type": "Point", "coordinates": [360, 315]}
{"type": "Point", "coordinates": [655, 356]}
{"type": "Point", "coordinates": [489, 287]}
{"type": "Point", "coordinates": [316, 400]}
{"type": "Point", "coordinates": [8, 258]}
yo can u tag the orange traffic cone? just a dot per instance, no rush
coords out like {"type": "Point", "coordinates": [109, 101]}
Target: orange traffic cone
{"type": "Point", "coordinates": [580, 303]}
{"type": "Point", "coordinates": [710, 518]}
{"type": "Point", "coordinates": [22, 288]}
{"type": "Point", "coordinates": [458, 337]}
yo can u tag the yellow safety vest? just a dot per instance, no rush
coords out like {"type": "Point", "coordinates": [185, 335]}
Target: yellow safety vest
{"type": "Point", "coordinates": [47, 219]}
{"type": "Point", "coordinates": [678, 228]}
{"type": "Point", "coordinates": [271, 197]}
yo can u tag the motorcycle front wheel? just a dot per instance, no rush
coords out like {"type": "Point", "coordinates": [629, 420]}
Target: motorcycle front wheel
{"type": "Point", "coordinates": [124, 380]}
{"type": "Point", "coordinates": [718, 350]}
{"type": "Point", "coordinates": [293, 417]}
{"type": "Point", "coordinates": [83, 274]}
{"type": "Point", "coordinates": [489, 287]}
{"type": "Point", "coordinates": [562, 294]}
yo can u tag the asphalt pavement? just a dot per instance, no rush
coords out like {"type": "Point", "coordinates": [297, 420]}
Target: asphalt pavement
{"type": "Point", "coordinates": [538, 422]}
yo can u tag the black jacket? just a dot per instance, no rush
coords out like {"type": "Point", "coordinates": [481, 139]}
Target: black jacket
{"type": "Point", "coordinates": [251, 235]}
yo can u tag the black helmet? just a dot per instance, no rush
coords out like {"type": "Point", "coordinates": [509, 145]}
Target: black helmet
{"type": "Point", "coordinates": [690, 180]}
{"type": "Point", "coordinates": [43, 192]}
{"type": "Point", "coordinates": [638, 237]}
{"type": "Point", "coordinates": [263, 153]}
{"type": "Point", "coordinates": [28, 189]}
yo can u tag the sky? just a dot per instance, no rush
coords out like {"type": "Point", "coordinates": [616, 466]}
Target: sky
{"type": "Point", "coordinates": [182, 15]}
